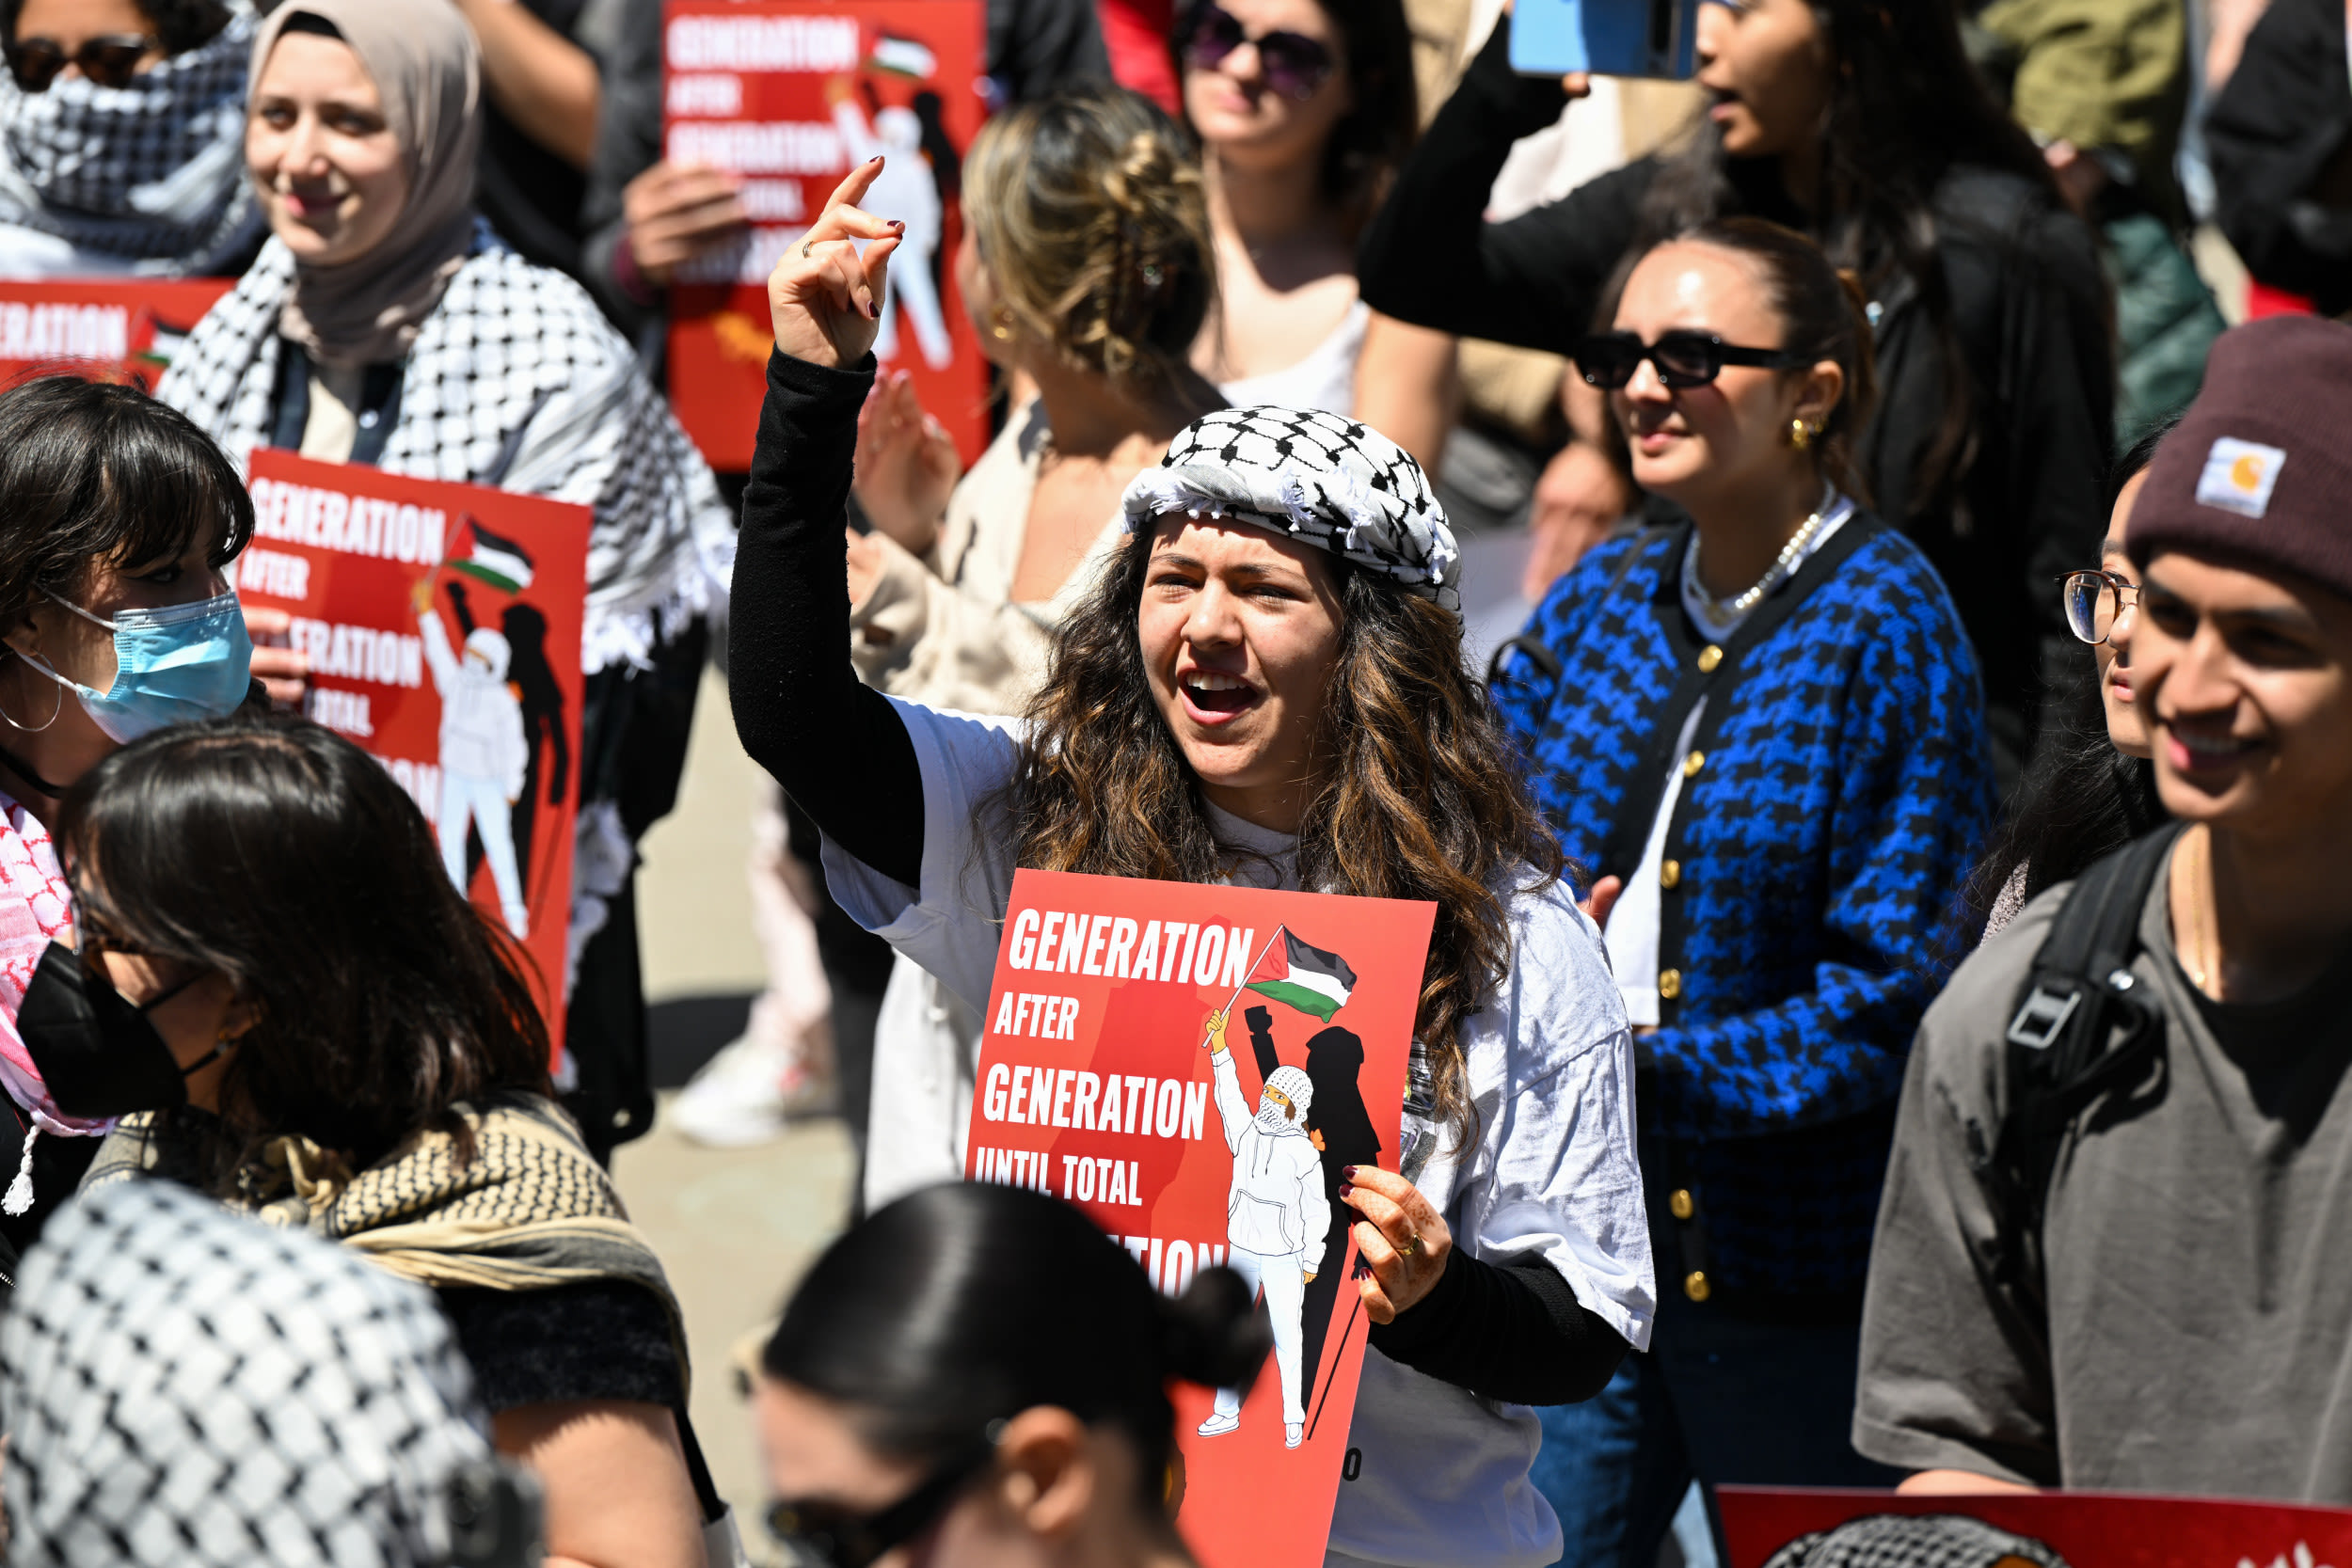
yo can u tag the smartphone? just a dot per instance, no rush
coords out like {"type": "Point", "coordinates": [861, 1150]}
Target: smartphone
{"type": "Point", "coordinates": [1610, 38]}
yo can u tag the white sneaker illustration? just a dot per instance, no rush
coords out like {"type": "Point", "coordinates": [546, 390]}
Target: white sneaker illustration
{"type": "Point", "coordinates": [1293, 1434]}
{"type": "Point", "coordinates": [1218, 1425]}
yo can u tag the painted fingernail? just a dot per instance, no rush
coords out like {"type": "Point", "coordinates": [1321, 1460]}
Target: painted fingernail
{"type": "Point", "coordinates": [873, 312]}
{"type": "Point", "coordinates": [1345, 1189]}
{"type": "Point", "coordinates": [1347, 1173]}
{"type": "Point", "coordinates": [875, 159]}
{"type": "Point", "coordinates": [897, 227]}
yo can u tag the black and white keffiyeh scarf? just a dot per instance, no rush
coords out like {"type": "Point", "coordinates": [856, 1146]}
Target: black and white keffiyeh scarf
{"type": "Point", "coordinates": [184, 1386]}
{"type": "Point", "coordinates": [1316, 477]}
{"type": "Point", "coordinates": [153, 172]}
{"type": "Point", "coordinates": [517, 381]}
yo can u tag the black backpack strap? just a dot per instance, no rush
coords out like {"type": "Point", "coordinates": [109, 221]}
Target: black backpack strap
{"type": "Point", "coordinates": [2079, 1029]}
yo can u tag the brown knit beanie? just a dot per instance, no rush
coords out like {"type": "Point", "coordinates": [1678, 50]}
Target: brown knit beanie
{"type": "Point", "coordinates": [2260, 469]}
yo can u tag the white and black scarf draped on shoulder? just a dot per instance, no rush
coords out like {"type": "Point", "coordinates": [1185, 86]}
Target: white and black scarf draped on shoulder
{"type": "Point", "coordinates": [515, 380]}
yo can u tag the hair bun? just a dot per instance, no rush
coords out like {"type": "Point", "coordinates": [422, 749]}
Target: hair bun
{"type": "Point", "coordinates": [1211, 1334]}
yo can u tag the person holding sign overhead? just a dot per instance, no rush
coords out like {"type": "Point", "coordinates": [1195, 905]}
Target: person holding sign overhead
{"type": "Point", "coordinates": [1265, 687]}
{"type": "Point", "coordinates": [385, 324]}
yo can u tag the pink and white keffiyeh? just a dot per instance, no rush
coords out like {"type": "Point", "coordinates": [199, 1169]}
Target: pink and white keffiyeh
{"type": "Point", "coordinates": [36, 909]}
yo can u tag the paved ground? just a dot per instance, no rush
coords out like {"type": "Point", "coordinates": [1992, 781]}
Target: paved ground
{"type": "Point", "coordinates": [735, 1227]}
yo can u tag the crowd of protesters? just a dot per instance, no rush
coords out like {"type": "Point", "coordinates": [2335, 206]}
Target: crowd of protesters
{"type": "Point", "coordinates": [1892, 896]}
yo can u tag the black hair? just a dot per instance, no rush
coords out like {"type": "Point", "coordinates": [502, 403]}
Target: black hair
{"type": "Point", "coordinates": [1907, 106]}
{"type": "Point", "coordinates": [2080, 797]}
{"type": "Point", "coordinates": [285, 857]}
{"type": "Point", "coordinates": [94, 474]}
{"type": "Point", "coordinates": [180, 24]}
{"type": "Point", "coordinates": [968, 1303]}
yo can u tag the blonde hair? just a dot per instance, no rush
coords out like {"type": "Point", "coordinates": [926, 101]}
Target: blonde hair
{"type": "Point", "coordinates": [1091, 219]}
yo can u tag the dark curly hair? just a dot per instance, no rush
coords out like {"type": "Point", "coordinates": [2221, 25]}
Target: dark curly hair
{"type": "Point", "coordinates": [1421, 794]}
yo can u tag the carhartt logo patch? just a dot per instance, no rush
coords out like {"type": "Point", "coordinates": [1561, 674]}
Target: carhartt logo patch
{"type": "Point", "coordinates": [2240, 476]}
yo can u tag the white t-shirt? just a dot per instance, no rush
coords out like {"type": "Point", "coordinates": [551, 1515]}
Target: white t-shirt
{"type": "Point", "coordinates": [1633, 924]}
{"type": "Point", "coordinates": [1443, 1474]}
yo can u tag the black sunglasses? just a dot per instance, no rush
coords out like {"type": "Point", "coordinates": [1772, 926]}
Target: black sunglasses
{"type": "Point", "coordinates": [1683, 358]}
{"type": "Point", "coordinates": [842, 1538]}
{"type": "Point", "coordinates": [109, 61]}
{"type": "Point", "coordinates": [1296, 65]}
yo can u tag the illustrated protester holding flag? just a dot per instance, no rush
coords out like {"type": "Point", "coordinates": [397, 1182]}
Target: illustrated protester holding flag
{"type": "Point", "coordinates": [485, 751]}
{"type": "Point", "coordinates": [1286, 577]}
{"type": "Point", "coordinates": [1276, 1214]}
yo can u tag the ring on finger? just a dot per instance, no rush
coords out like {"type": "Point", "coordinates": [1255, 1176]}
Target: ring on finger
{"type": "Point", "coordinates": [807, 254]}
{"type": "Point", "coordinates": [1411, 1245]}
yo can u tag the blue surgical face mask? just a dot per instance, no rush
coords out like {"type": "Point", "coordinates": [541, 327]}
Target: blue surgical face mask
{"type": "Point", "coordinates": [172, 666]}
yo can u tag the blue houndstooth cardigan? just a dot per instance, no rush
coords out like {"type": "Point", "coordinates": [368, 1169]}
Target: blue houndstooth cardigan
{"type": "Point", "coordinates": [1844, 785]}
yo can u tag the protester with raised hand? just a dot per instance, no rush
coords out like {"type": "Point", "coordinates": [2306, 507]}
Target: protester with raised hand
{"type": "Point", "coordinates": [1864, 125]}
{"type": "Point", "coordinates": [2108, 1254]}
{"type": "Point", "coordinates": [1304, 110]}
{"type": "Point", "coordinates": [384, 323]}
{"type": "Point", "coordinates": [118, 519]}
{"type": "Point", "coordinates": [1765, 725]}
{"type": "Point", "coordinates": [1256, 691]}
{"type": "Point", "coordinates": [122, 124]}
{"type": "Point", "coordinates": [980, 1368]}
{"type": "Point", "coordinates": [321, 1029]}
{"type": "Point", "coordinates": [1086, 268]}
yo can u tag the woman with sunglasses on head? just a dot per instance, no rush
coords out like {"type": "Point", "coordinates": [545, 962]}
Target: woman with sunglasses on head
{"type": "Point", "coordinates": [1086, 267]}
{"type": "Point", "coordinates": [386, 324]}
{"type": "Point", "coordinates": [118, 520]}
{"type": "Point", "coordinates": [976, 1373]}
{"type": "Point", "coordinates": [2094, 787]}
{"type": "Point", "coordinates": [1862, 124]}
{"type": "Point", "coordinates": [294, 1010]}
{"type": "Point", "coordinates": [1264, 686]}
{"type": "Point", "coordinates": [1762, 730]}
{"type": "Point", "coordinates": [1304, 110]}
{"type": "Point", "coordinates": [122, 124]}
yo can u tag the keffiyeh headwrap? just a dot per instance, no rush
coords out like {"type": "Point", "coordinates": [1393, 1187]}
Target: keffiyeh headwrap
{"type": "Point", "coordinates": [152, 171]}
{"type": "Point", "coordinates": [187, 1387]}
{"type": "Point", "coordinates": [1316, 477]}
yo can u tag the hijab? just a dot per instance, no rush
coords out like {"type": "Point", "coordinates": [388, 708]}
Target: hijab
{"type": "Point", "coordinates": [421, 56]}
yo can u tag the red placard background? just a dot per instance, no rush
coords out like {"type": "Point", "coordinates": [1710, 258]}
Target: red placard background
{"type": "Point", "coordinates": [123, 329]}
{"type": "Point", "coordinates": [1248, 1502]}
{"type": "Point", "coordinates": [792, 94]}
{"type": "Point", "coordinates": [2089, 1529]}
{"type": "Point", "coordinates": [350, 593]}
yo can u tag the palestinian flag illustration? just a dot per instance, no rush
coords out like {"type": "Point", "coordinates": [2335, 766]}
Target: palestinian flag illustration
{"type": "Point", "coordinates": [904, 56]}
{"type": "Point", "coordinates": [1301, 976]}
{"type": "Point", "coordinates": [495, 560]}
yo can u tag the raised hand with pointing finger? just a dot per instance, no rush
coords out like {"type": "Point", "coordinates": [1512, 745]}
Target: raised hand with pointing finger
{"type": "Point", "coordinates": [824, 298]}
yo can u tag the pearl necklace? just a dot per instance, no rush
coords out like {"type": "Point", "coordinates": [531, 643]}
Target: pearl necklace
{"type": "Point", "coordinates": [1740, 604]}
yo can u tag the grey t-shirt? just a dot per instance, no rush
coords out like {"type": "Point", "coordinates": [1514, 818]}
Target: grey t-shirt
{"type": "Point", "coordinates": [2200, 1321]}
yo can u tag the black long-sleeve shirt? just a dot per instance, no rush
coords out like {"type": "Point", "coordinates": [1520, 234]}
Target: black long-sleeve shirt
{"type": "Point", "coordinates": [1510, 1332]}
{"type": "Point", "coordinates": [2276, 133]}
{"type": "Point", "coordinates": [2027, 310]}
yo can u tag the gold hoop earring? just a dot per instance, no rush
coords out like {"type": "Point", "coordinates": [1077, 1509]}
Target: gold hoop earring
{"type": "Point", "coordinates": [1000, 325]}
{"type": "Point", "coordinates": [35, 729]}
{"type": "Point", "coordinates": [1801, 434]}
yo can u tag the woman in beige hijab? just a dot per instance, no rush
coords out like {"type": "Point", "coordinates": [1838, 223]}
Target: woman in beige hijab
{"type": "Point", "coordinates": [384, 323]}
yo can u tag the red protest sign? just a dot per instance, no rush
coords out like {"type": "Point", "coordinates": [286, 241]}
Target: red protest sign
{"type": "Point", "coordinates": [442, 623]}
{"type": "Point", "coordinates": [121, 329]}
{"type": "Point", "coordinates": [1095, 1086]}
{"type": "Point", "coordinates": [792, 95]}
{"type": "Point", "coordinates": [2061, 1529]}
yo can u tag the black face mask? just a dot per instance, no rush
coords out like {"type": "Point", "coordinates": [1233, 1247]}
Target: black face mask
{"type": "Point", "coordinates": [99, 1055]}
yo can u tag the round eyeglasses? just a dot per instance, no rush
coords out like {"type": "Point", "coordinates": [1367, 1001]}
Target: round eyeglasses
{"type": "Point", "coordinates": [2095, 601]}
